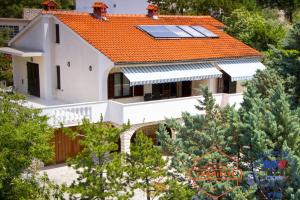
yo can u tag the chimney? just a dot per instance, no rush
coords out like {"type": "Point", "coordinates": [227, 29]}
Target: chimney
{"type": "Point", "coordinates": [152, 11]}
{"type": "Point", "coordinates": [100, 10]}
{"type": "Point", "coordinates": [49, 5]}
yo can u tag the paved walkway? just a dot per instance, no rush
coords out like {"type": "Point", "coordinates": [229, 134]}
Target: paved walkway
{"type": "Point", "coordinates": [62, 174]}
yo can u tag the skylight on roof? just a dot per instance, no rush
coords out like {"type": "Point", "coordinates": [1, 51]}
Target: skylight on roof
{"type": "Point", "coordinates": [173, 31]}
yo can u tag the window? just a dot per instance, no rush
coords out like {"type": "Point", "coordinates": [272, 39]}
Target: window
{"type": "Point", "coordinates": [58, 77]}
{"type": "Point", "coordinates": [57, 33]}
{"type": "Point", "coordinates": [174, 31]}
{"type": "Point", "coordinates": [13, 30]}
{"type": "Point", "coordinates": [117, 85]}
{"type": "Point", "coordinates": [121, 86]}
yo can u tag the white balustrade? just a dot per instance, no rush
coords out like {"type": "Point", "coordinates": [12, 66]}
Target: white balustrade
{"type": "Point", "coordinates": [73, 114]}
{"type": "Point", "coordinates": [136, 113]}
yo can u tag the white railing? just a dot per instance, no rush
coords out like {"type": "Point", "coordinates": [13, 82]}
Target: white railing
{"type": "Point", "coordinates": [73, 114]}
{"type": "Point", "coordinates": [136, 113]}
{"type": "Point", "coordinates": [236, 99]}
{"type": "Point", "coordinates": [152, 111]}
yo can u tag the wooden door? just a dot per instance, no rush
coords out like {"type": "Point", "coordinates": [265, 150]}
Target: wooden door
{"type": "Point", "coordinates": [33, 79]}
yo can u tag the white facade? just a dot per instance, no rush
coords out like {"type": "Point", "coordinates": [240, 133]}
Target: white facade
{"type": "Point", "coordinates": [72, 54]}
{"type": "Point", "coordinates": [115, 6]}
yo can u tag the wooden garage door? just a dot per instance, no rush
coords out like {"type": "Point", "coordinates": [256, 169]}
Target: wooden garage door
{"type": "Point", "coordinates": [65, 147]}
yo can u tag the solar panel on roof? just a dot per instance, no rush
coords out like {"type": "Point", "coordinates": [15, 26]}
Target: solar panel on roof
{"type": "Point", "coordinates": [173, 31]}
{"type": "Point", "coordinates": [204, 31]}
{"type": "Point", "coordinates": [158, 31]}
{"type": "Point", "coordinates": [192, 31]}
{"type": "Point", "coordinates": [178, 31]}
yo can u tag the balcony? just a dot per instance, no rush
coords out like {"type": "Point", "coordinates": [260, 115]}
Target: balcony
{"type": "Point", "coordinates": [134, 110]}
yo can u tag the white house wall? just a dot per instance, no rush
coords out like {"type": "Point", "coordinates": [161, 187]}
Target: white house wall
{"type": "Point", "coordinates": [36, 38]}
{"type": "Point", "coordinates": [20, 74]}
{"type": "Point", "coordinates": [32, 39]}
{"type": "Point", "coordinates": [115, 6]}
{"type": "Point", "coordinates": [210, 83]}
{"type": "Point", "coordinates": [78, 83]}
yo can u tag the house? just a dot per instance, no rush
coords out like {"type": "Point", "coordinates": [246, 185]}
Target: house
{"type": "Point", "coordinates": [115, 6]}
{"type": "Point", "coordinates": [124, 67]}
{"type": "Point", "coordinates": [17, 24]}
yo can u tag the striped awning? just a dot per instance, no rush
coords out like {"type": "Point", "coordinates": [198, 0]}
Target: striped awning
{"type": "Point", "coordinates": [170, 73]}
{"type": "Point", "coordinates": [241, 69]}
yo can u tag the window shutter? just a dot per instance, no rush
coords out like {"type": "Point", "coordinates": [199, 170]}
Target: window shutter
{"type": "Point", "coordinates": [58, 77]}
{"type": "Point", "coordinates": [57, 34]}
{"type": "Point", "coordinates": [110, 86]}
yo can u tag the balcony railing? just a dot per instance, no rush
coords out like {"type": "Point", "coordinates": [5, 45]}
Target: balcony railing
{"type": "Point", "coordinates": [135, 113]}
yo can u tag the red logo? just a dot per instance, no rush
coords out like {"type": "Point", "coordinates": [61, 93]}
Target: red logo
{"type": "Point", "coordinates": [282, 164]}
{"type": "Point", "coordinates": [215, 173]}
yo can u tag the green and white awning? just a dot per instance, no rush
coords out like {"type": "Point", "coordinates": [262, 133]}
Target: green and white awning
{"type": "Point", "coordinates": [241, 69]}
{"type": "Point", "coordinates": [170, 73]}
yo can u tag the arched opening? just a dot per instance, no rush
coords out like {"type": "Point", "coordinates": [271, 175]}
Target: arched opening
{"type": "Point", "coordinates": [150, 131]}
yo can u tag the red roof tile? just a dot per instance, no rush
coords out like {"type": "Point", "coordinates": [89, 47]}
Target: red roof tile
{"type": "Point", "coordinates": [120, 40]}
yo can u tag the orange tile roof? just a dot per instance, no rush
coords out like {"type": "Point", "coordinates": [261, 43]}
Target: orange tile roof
{"type": "Point", "coordinates": [120, 40]}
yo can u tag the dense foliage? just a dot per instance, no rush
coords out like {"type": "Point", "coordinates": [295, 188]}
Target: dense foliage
{"type": "Point", "coordinates": [24, 140]}
{"type": "Point", "coordinates": [254, 29]}
{"type": "Point", "coordinates": [285, 60]}
{"type": "Point", "coordinates": [98, 165]}
{"type": "Point", "coordinates": [5, 61]}
{"type": "Point", "coordinates": [104, 172]}
{"type": "Point", "coordinates": [264, 123]}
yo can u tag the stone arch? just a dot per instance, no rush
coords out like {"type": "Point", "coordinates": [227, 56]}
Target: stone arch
{"type": "Point", "coordinates": [148, 129]}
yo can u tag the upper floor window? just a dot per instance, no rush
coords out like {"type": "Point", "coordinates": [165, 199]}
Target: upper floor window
{"type": "Point", "coordinates": [58, 77]}
{"type": "Point", "coordinates": [12, 30]}
{"type": "Point", "coordinates": [119, 86]}
{"type": "Point", "coordinates": [57, 35]}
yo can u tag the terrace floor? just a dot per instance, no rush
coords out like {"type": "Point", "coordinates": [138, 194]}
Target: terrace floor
{"type": "Point", "coordinates": [36, 102]}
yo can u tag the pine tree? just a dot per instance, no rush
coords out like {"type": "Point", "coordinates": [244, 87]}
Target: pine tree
{"type": "Point", "coordinates": [146, 167]}
{"type": "Point", "coordinates": [99, 165]}
{"type": "Point", "coordinates": [195, 137]}
{"type": "Point", "coordinates": [267, 125]}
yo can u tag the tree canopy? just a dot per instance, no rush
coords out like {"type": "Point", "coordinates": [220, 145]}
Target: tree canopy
{"type": "Point", "coordinates": [25, 138]}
